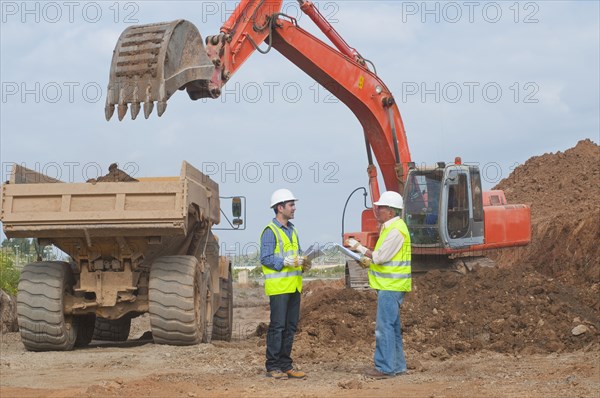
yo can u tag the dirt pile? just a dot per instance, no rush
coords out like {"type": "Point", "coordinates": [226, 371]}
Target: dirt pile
{"type": "Point", "coordinates": [563, 190]}
{"type": "Point", "coordinates": [114, 175]}
{"type": "Point", "coordinates": [335, 322]}
{"type": "Point", "coordinates": [515, 310]}
{"type": "Point", "coordinates": [502, 310]}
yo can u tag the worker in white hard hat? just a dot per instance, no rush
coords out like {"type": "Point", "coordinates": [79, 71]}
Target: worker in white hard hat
{"type": "Point", "coordinates": [282, 265]}
{"type": "Point", "coordinates": [390, 274]}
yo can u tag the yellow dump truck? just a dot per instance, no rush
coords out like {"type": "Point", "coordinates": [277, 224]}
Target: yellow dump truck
{"type": "Point", "coordinates": [139, 246]}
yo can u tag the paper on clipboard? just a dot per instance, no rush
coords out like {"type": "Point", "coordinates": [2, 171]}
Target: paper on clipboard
{"type": "Point", "coordinates": [349, 253]}
{"type": "Point", "coordinates": [313, 252]}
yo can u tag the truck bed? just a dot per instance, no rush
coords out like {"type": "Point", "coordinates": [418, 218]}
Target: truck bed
{"type": "Point", "coordinates": [37, 206]}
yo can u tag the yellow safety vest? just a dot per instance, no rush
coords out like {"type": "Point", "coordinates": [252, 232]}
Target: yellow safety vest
{"type": "Point", "coordinates": [395, 274]}
{"type": "Point", "coordinates": [289, 279]}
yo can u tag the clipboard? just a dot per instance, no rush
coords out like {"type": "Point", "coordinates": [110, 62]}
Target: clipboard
{"type": "Point", "coordinates": [349, 253]}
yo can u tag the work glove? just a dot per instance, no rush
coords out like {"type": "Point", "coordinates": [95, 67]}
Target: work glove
{"type": "Point", "coordinates": [307, 264]}
{"type": "Point", "coordinates": [293, 261]}
{"type": "Point", "coordinates": [365, 262]}
{"type": "Point", "coordinates": [355, 245]}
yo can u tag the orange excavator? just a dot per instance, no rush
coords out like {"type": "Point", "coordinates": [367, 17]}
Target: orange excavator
{"type": "Point", "coordinates": [452, 222]}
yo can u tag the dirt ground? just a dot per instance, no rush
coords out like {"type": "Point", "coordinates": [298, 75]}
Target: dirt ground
{"type": "Point", "coordinates": [528, 327]}
{"type": "Point", "coordinates": [333, 348]}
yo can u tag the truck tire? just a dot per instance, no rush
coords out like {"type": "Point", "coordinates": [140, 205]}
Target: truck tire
{"type": "Point", "coordinates": [223, 319]}
{"type": "Point", "coordinates": [40, 312]}
{"type": "Point", "coordinates": [206, 293]}
{"type": "Point", "coordinates": [112, 329]}
{"type": "Point", "coordinates": [177, 301]}
{"type": "Point", "coordinates": [85, 329]}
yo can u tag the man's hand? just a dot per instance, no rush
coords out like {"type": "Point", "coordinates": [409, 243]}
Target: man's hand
{"type": "Point", "coordinates": [293, 261]}
{"type": "Point", "coordinates": [352, 243]}
{"type": "Point", "coordinates": [306, 264]}
{"type": "Point", "coordinates": [355, 245]}
{"type": "Point", "coordinates": [365, 262]}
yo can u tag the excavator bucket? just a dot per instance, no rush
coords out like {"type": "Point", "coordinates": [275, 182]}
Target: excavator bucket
{"type": "Point", "coordinates": [151, 62]}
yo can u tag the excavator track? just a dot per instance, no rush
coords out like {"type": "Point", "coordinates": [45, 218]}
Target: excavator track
{"type": "Point", "coordinates": [357, 277]}
{"type": "Point", "coordinates": [464, 265]}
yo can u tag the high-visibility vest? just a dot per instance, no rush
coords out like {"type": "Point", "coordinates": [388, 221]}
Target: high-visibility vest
{"type": "Point", "coordinates": [395, 274]}
{"type": "Point", "coordinates": [289, 279]}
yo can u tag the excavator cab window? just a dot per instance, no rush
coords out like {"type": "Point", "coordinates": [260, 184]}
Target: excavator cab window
{"type": "Point", "coordinates": [461, 220]}
{"type": "Point", "coordinates": [458, 205]}
{"type": "Point", "coordinates": [477, 194]}
{"type": "Point", "coordinates": [421, 206]}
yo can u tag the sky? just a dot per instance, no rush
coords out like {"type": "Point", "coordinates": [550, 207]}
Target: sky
{"type": "Point", "coordinates": [493, 82]}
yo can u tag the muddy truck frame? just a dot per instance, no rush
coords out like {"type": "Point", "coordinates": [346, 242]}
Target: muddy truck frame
{"type": "Point", "coordinates": [135, 247]}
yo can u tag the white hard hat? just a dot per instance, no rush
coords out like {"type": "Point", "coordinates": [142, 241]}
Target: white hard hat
{"type": "Point", "coordinates": [391, 199]}
{"type": "Point", "coordinates": [282, 195]}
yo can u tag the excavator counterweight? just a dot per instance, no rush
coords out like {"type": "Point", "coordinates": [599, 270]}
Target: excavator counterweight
{"type": "Point", "coordinates": [150, 62]}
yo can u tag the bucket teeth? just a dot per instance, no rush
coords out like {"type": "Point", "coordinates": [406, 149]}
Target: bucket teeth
{"type": "Point", "coordinates": [122, 111]}
{"type": "Point", "coordinates": [161, 108]}
{"type": "Point", "coordinates": [135, 103]}
{"type": "Point", "coordinates": [135, 109]}
{"type": "Point", "coordinates": [108, 111]}
{"type": "Point", "coordinates": [148, 106]}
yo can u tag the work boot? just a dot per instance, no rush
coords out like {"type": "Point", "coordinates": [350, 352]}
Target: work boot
{"type": "Point", "coordinates": [375, 374]}
{"type": "Point", "coordinates": [295, 374]}
{"type": "Point", "coordinates": [276, 374]}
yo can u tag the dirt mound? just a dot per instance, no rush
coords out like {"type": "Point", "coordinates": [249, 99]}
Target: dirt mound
{"type": "Point", "coordinates": [563, 190]}
{"type": "Point", "coordinates": [514, 310]}
{"type": "Point", "coordinates": [503, 310]}
{"type": "Point", "coordinates": [335, 322]}
{"type": "Point", "coordinates": [114, 175]}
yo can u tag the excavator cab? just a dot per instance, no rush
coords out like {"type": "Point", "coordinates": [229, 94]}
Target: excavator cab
{"type": "Point", "coordinates": [443, 206]}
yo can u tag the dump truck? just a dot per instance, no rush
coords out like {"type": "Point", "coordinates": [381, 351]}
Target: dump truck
{"type": "Point", "coordinates": [135, 246]}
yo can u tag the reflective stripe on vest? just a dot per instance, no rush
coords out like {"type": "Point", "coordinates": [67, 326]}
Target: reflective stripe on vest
{"type": "Point", "coordinates": [289, 279]}
{"type": "Point", "coordinates": [395, 274]}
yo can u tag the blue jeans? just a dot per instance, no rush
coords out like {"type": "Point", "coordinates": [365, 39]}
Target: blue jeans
{"type": "Point", "coordinates": [389, 350]}
{"type": "Point", "coordinates": [285, 312]}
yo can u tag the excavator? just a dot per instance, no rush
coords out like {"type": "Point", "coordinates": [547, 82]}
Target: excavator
{"type": "Point", "coordinates": [452, 221]}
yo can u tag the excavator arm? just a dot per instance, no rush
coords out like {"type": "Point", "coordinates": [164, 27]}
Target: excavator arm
{"type": "Point", "coordinates": [151, 62]}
